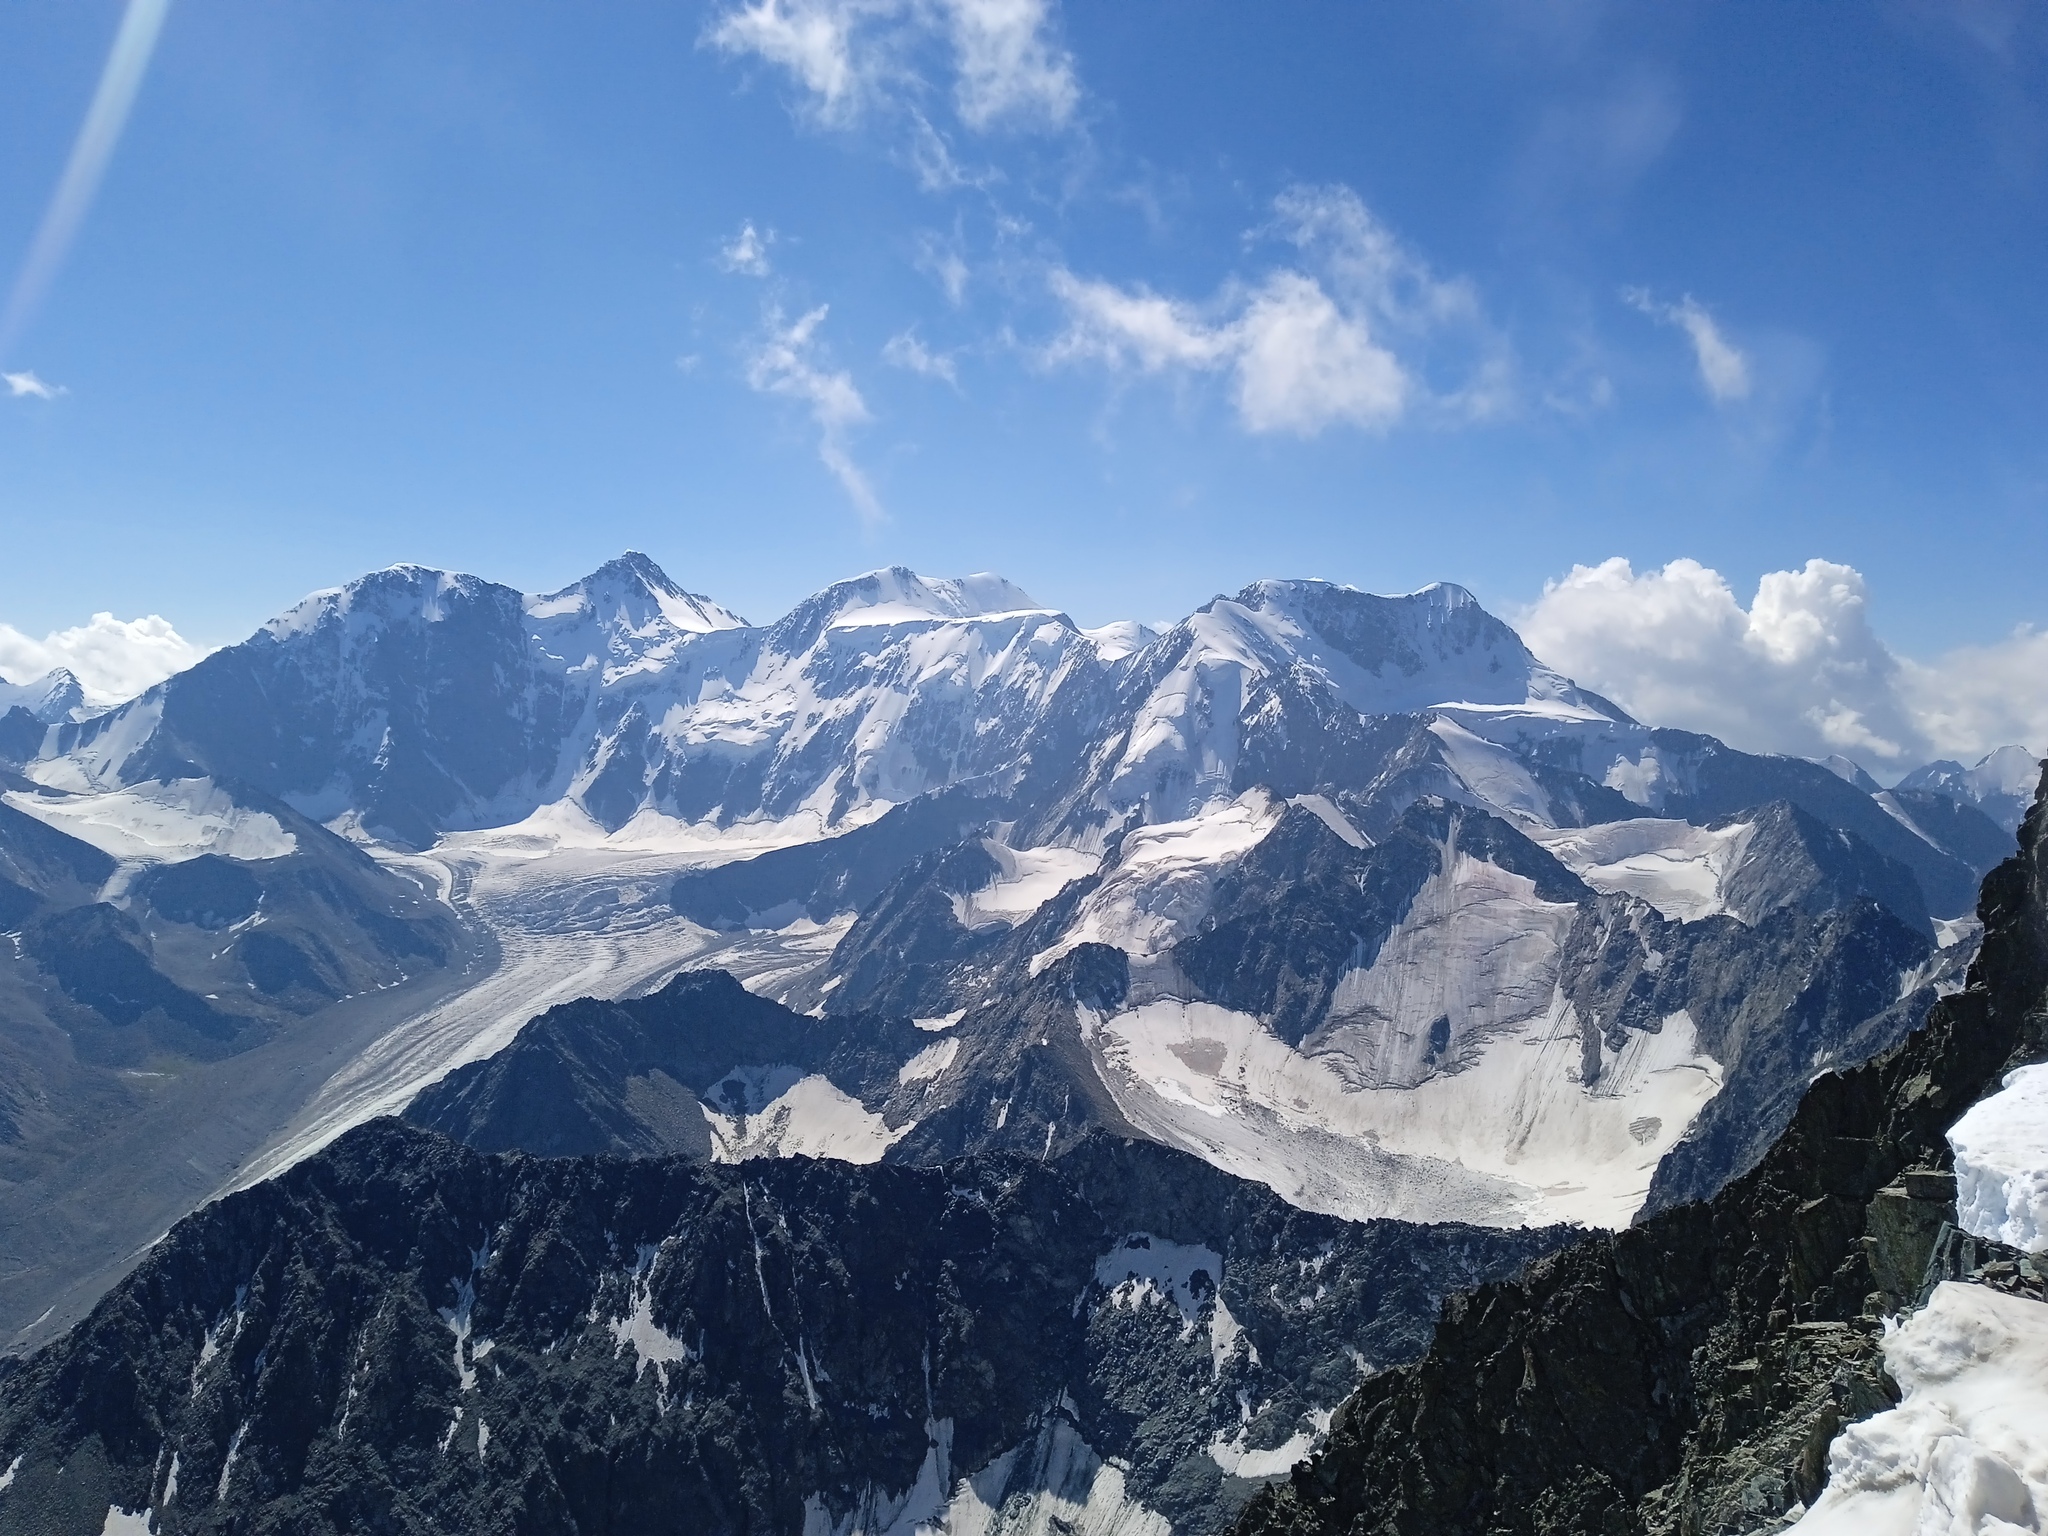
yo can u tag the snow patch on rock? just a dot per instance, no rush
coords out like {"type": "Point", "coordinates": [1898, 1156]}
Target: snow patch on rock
{"type": "Point", "coordinates": [1052, 1482]}
{"type": "Point", "coordinates": [1026, 879]}
{"type": "Point", "coordinates": [811, 1117]}
{"type": "Point", "coordinates": [1235, 1458]}
{"type": "Point", "coordinates": [930, 1062]}
{"type": "Point", "coordinates": [1144, 1270]}
{"type": "Point", "coordinates": [652, 1345]}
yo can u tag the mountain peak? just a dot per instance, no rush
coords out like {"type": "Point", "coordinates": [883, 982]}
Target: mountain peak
{"type": "Point", "coordinates": [898, 595]}
{"type": "Point", "coordinates": [633, 585]}
{"type": "Point", "coordinates": [50, 698]}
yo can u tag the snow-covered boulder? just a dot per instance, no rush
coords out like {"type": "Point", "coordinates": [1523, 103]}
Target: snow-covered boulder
{"type": "Point", "coordinates": [2001, 1149]}
{"type": "Point", "coordinates": [1963, 1454]}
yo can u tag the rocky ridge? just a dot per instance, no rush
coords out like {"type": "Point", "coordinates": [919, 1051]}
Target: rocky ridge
{"type": "Point", "coordinates": [403, 1335]}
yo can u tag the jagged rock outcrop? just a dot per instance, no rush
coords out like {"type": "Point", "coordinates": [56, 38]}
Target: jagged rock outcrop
{"type": "Point", "coordinates": [1687, 1375]}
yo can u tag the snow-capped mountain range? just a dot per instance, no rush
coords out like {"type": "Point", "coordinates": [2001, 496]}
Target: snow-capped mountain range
{"type": "Point", "coordinates": [1348, 894]}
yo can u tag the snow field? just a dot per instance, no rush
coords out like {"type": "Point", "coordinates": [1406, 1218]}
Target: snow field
{"type": "Point", "coordinates": [810, 1117]}
{"type": "Point", "coordinates": [1160, 886]}
{"type": "Point", "coordinates": [1027, 879]}
{"type": "Point", "coordinates": [1679, 869]}
{"type": "Point", "coordinates": [162, 822]}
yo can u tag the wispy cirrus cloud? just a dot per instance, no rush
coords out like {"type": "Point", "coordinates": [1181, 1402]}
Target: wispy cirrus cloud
{"type": "Point", "coordinates": [1724, 367]}
{"type": "Point", "coordinates": [788, 362]}
{"type": "Point", "coordinates": [906, 350]}
{"type": "Point", "coordinates": [1002, 58]}
{"type": "Point", "coordinates": [1343, 338]}
{"type": "Point", "coordinates": [1800, 669]}
{"type": "Point", "coordinates": [120, 80]}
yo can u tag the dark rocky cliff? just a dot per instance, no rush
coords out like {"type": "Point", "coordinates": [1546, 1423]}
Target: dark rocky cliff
{"type": "Point", "coordinates": [1687, 1375]}
{"type": "Point", "coordinates": [404, 1335]}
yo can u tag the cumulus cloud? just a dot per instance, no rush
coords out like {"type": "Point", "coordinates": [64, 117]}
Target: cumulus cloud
{"type": "Point", "coordinates": [747, 252]}
{"type": "Point", "coordinates": [786, 364]}
{"type": "Point", "coordinates": [1724, 369]}
{"type": "Point", "coordinates": [1305, 349]}
{"type": "Point", "coordinates": [19, 384]}
{"type": "Point", "coordinates": [1006, 64]}
{"type": "Point", "coordinates": [908, 352]}
{"type": "Point", "coordinates": [1799, 670]}
{"type": "Point", "coordinates": [1984, 696]}
{"type": "Point", "coordinates": [113, 659]}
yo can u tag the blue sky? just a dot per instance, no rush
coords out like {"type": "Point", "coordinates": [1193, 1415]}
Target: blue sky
{"type": "Point", "coordinates": [1132, 303]}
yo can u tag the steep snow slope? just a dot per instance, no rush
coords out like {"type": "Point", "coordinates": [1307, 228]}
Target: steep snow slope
{"type": "Point", "coordinates": [55, 696]}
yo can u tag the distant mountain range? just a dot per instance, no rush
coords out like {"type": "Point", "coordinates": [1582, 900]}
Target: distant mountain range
{"type": "Point", "coordinates": [1349, 897]}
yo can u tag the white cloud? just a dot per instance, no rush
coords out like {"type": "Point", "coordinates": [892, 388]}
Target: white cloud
{"type": "Point", "coordinates": [113, 659]}
{"type": "Point", "coordinates": [1007, 66]}
{"type": "Point", "coordinates": [786, 365]}
{"type": "Point", "coordinates": [812, 39]}
{"type": "Point", "coordinates": [942, 259]}
{"type": "Point", "coordinates": [1307, 350]}
{"type": "Point", "coordinates": [1304, 364]}
{"type": "Point", "coordinates": [1799, 670]}
{"type": "Point", "coordinates": [19, 384]}
{"type": "Point", "coordinates": [906, 351]}
{"type": "Point", "coordinates": [747, 252]}
{"type": "Point", "coordinates": [1724, 369]}
{"type": "Point", "coordinates": [1983, 696]}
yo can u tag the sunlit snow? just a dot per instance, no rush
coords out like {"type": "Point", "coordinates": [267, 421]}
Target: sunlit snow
{"type": "Point", "coordinates": [1963, 1454]}
{"type": "Point", "coordinates": [1513, 1138]}
{"type": "Point", "coordinates": [162, 822]}
{"type": "Point", "coordinates": [2001, 1149]}
{"type": "Point", "coordinates": [812, 1117]}
{"type": "Point", "coordinates": [1026, 880]}
{"type": "Point", "coordinates": [1680, 869]}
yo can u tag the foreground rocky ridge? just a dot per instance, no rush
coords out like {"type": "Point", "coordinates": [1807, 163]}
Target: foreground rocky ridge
{"type": "Point", "coordinates": [1688, 1375]}
{"type": "Point", "coordinates": [403, 1335]}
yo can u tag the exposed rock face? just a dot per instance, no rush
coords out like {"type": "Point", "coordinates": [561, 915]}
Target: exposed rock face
{"type": "Point", "coordinates": [404, 1335]}
{"type": "Point", "coordinates": [1688, 1374]}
